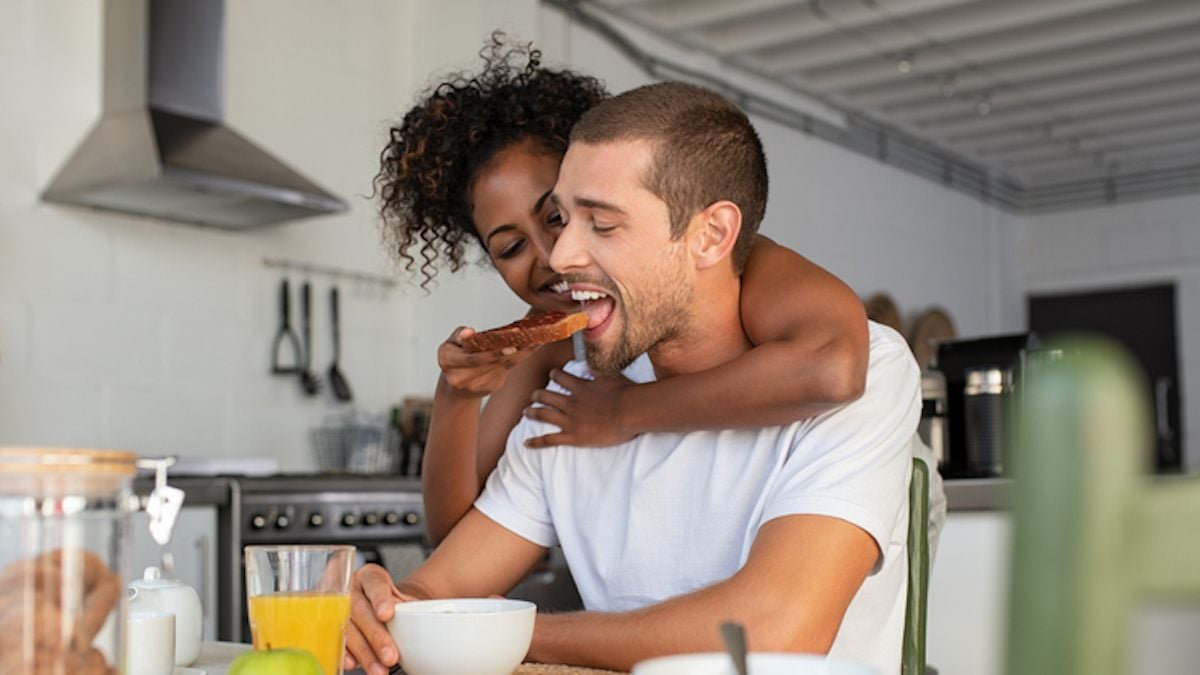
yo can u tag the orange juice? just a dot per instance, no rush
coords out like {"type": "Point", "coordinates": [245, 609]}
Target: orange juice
{"type": "Point", "coordinates": [305, 620]}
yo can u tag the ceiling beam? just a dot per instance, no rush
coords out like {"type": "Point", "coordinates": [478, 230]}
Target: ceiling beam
{"type": "Point", "coordinates": [808, 20]}
{"type": "Point", "coordinates": [892, 88]}
{"type": "Point", "coordinates": [1046, 91]}
{"type": "Point", "coordinates": [990, 46]}
{"type": "Point", "coordinates": [1025, 114]}
{"type": "Point", "coordinates": [1174, 121]}
{"type": "Point", "coordinates": [1130, 144]}
{"type": "Point", "coordinates": [1070, 170]}
{"type": "Point", "coordinates": [1034, 136]}
{"type": "Point", "coordinates": [1144, 105]}
{"type": "Point", "coordinates": [890, 37]}
{"type": "Point", "coordinates": [680, 16]}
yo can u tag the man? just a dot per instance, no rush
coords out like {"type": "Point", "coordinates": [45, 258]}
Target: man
{"type": "Point", "coordinates": [796, 531]}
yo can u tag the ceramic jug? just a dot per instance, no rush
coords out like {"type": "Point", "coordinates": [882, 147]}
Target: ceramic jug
{"type": "Point", "coordinates": [154, 593]}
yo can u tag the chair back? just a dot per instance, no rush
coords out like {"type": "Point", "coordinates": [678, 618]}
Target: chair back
{"type": "Point", "coordinates": [912, 660]}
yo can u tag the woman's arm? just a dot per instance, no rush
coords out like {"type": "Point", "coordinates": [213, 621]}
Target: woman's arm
{"type": "Point", "coordinates": [464, 443]}
{"type": "Point", "coordinates": [810, 332]}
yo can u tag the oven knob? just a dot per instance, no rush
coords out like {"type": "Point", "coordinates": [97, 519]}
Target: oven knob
{"type": "Point", "coordinates": [258, 521]}
{"type": "Point", "coordinates": [282, 522]}
{"type": "Point", "coordinates": [315, 520]}
{"type": "Point", "coordinates": [411, 518]}
{"type": "Point", "coordinates": [391, 518]}
{"type": "Point", "coordinates": [370, 518]}
{"type": "Point", "coordinates": [349, 520]}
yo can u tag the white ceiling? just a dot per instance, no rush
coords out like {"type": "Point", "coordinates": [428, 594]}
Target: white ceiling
{"type": "Point", "coordinates": [1045, 94]}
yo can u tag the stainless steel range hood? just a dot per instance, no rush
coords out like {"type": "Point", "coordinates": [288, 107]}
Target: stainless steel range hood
{"type": "Point", "coordinates": [162, 147]}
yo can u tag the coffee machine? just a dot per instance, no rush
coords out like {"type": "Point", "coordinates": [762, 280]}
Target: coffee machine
{"type": "Point", "coordinates": [981, 379]}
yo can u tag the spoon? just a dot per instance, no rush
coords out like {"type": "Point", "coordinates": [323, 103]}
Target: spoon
{"type": "Point", "coordinates": [734, 637]}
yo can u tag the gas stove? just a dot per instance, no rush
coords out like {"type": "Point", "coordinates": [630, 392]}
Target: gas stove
{"type": "Point", "coordinates": [382, 516]}
{"type": "Point", "coordinates": [330, 509]}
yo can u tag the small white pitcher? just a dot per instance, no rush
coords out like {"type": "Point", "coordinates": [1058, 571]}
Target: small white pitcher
{"type": "Point", "coordinates": [156, 594]}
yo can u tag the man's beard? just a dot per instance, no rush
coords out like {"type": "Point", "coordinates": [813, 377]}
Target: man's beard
{"type": "Point", "coordinates": [653, 319]}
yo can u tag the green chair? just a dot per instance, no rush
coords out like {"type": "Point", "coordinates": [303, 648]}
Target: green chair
{"type": "Point", "coordinates": [912, 660]}
{"type": "Point", "coordinates": [1092, 531]}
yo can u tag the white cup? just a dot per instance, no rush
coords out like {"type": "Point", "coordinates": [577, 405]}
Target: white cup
{"type": "Point", "coordinates": [761, 663]}
{"type": "Point", "coordinates": [150, 643]}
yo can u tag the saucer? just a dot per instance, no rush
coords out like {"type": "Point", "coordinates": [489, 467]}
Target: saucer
{"type": "Point", "coordinates": [181, 670]}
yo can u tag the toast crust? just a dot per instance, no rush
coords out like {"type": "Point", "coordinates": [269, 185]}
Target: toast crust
{"type": "Point", "coordinates": [536, 329]}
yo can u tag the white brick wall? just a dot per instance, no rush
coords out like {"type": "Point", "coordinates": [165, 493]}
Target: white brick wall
{"type": "Point", "coordinates": [1132, 244]}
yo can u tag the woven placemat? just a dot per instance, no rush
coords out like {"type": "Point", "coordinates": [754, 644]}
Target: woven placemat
{"type": "Point", "coordinates": [549, 669]}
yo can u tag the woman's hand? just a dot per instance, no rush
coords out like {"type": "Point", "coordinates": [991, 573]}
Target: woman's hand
{"type": "Point", "coordinates": [588, 415]}
{"type": "Point", "coordinates": [476, 374]}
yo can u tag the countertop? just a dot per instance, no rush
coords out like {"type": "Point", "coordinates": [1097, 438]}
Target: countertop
{"type": "Point", "coordinates": [976, 494]}
{"type": "Point", "coordinates": [962, 494]}
{"type": "Point", "coordinates": [215, 658]}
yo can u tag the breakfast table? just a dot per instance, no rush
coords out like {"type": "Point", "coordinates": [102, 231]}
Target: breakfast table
{"type": "Point", "coordinates": [215, 658]}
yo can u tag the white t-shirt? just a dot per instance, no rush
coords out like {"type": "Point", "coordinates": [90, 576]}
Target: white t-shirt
{"type": "Point", "coordinates": [669, 513]}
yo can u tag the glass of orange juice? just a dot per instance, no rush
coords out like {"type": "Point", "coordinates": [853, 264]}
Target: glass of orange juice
{"type": "Point", "coordinates": [299, 598]}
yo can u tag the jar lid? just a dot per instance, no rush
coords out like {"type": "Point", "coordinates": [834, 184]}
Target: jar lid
{"type": "Point", "coordinates": [29, 460]}
{"type": "Point", "coordinates": [988, 381]}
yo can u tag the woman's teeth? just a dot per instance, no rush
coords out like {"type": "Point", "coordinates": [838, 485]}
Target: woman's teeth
{"type": "Point", "coordinates": [583, 296]}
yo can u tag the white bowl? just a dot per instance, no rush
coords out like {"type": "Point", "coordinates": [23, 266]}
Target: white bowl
{"type": "Point", "coordinates": [760, 663]}
{"type": "Point", "coordinates": [480, 636]}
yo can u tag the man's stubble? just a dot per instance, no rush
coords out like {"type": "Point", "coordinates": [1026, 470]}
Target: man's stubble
{"type": "Point", "coordinates": [657, 313]}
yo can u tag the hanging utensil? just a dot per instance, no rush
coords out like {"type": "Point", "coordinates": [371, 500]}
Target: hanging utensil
{"type": "Point", "coordinates": [341, 388]}
{"type": "Point", "coordinates": [308, 381]}
{"type": "Point", "coordinates": [285, 334]}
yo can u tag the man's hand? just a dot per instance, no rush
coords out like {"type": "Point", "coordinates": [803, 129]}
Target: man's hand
{"type": "Point", "coordinates": [588, 416]}
{"type": "Point", "coordinates": [476, 374]}
{"type": "Point", "coordinates": [373, 599]}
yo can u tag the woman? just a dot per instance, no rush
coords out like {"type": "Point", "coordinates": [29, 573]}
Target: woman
{"type": "Point", "coordinates": [474, 163]}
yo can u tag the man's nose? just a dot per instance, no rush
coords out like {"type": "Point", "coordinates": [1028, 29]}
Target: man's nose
{"type": "Point", "coordinates": [569, 252]}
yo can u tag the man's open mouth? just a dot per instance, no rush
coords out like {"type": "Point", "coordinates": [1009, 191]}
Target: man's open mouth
{"type": "Point", "coordinates": [598, 304]}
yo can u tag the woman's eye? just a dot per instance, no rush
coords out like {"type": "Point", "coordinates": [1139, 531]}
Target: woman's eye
{"type": "Point", "coordinates": [555, 219]}
{"type": "Point", "coordinates": [511, 250]}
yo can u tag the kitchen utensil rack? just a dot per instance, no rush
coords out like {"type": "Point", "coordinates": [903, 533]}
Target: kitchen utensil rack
{"type": "Point", "coordinates": [380, 281]}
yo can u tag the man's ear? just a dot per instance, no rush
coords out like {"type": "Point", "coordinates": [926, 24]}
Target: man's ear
{"type": "Point", "coordinates": [714, 232]}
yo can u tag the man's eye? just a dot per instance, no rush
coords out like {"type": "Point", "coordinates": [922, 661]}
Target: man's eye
{"type": "Point", "coordinates": [601, 228]}
{"type": "Point", "coordinates": [511, 250]}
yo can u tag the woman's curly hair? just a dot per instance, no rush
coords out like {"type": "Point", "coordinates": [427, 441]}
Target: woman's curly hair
{"type": "Point", "coordinates": [430, 160]}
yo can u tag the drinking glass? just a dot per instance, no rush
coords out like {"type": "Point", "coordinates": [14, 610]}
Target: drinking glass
{"type": "Point", "coordinates": [299, 597]}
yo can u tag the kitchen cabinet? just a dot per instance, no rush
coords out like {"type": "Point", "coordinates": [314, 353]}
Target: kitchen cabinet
{"type": "Point", "coordinates": [968, 596]}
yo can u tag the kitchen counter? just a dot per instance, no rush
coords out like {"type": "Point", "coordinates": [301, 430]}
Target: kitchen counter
{"type": "Point", "coordinates": [198, 490]}
{"type": "Point", "coordinates": [976, 494]}
{"type": "Point", "coordinates": [962, 494]}
{"type": "Point", "coordinates": [215, 658]}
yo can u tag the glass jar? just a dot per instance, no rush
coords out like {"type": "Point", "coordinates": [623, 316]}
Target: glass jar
{"type": "Point", "coordinates": [65, 557]}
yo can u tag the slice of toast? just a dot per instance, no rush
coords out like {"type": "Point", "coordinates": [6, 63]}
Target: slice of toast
{"type": "Point", "coordinates": [535, 329]}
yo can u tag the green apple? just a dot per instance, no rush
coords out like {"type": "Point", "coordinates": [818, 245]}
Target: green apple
{"type": "Point", "coordinates": [276, 662]}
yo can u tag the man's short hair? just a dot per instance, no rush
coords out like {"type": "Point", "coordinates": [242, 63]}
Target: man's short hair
{"type": "Point", "coordinates": [706, 151]}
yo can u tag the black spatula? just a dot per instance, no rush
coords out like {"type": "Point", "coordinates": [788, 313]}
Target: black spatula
{"type": "Point", "coordinates": [308, 381]}
{"type": "Point", "coordinates": [341, 388]}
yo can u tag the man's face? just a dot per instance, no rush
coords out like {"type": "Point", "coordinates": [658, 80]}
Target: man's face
{"type": "Point", "coordinates": [616, 252]}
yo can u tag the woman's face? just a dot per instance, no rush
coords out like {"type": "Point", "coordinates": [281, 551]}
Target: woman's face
{"type": "Point", "coordinates": [518, 224]}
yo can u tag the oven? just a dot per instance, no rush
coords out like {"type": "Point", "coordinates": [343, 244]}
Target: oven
{"type": "Point", "coordinates": [384, 517]}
